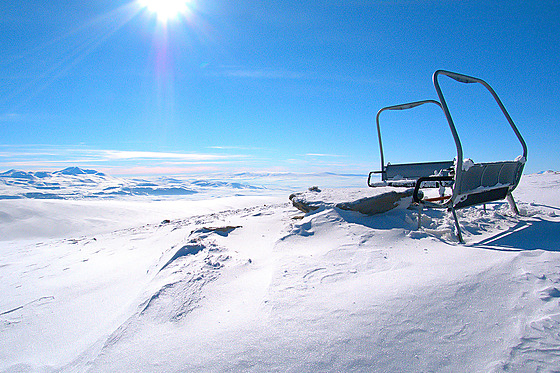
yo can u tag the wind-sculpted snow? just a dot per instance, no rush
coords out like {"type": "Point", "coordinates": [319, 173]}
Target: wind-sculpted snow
{"type": "Point", "coordinates": [368, 201]}
{"type": "Point", "coordinates": [200, 260]}
{"type": "Point", "coordinates": [266, 287]}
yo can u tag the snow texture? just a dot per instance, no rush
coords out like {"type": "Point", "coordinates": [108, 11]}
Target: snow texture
{"type": "Point", "coordinates": [250, 283]}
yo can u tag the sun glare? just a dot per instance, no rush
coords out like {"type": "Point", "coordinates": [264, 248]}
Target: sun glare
{"type": "Point", "coordinates": [166, 10]}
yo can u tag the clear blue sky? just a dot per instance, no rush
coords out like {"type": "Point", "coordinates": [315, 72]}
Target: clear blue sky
{"type": "Point", "coordinates": [253, 85]}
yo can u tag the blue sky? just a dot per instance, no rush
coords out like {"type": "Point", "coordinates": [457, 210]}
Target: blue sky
{"type": "Point", "coordinates": [255, 85]}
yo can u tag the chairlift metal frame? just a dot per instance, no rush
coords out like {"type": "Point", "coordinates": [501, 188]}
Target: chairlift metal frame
{"type": "Point", "coordinates": [477, 184]}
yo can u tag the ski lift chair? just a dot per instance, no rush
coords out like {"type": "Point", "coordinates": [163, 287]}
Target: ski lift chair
{"type": "Point", "coordinates": [470, 183]}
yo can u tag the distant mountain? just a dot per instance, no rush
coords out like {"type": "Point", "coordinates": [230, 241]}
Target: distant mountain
{"type": "Point", "coordinates": [223, 184]}
{"type": "Point", "coordinates": [70, 171]}
{"type": "Point", "coordinates": [75, 171]}
{"type": "Point", "coordinates": [16, 174]}
{"type": "Point", "coordinates": [42, 174]}
{"type": "Point", "coordinates": [76, 182]}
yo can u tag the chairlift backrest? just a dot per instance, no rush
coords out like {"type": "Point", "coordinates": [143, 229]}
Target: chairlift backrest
{"type": "Point", "coordinates": [471, 183]}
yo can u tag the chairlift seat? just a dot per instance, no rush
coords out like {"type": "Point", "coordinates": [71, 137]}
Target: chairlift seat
{"type": "Point", "coordinates": [471, 183]}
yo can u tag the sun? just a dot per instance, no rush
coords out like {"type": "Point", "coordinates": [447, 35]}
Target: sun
{"type": "Point", "coordinates": [166, 10]}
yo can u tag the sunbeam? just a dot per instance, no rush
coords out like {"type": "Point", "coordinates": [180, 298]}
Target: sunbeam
{"type": "Point", "coordinates": [72, 48]}
{"type": "Point", "coordinates": [167, 10]}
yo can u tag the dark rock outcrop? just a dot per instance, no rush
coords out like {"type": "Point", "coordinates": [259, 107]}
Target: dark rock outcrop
{"type": "Point", "coordinates": [378, 201]}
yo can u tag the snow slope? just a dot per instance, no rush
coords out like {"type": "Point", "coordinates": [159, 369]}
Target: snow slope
{"type": "Point", "coordinates": [252, 284]}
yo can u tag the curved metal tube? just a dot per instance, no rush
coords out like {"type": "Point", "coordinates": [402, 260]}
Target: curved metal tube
{"type": "Point", "coordinates": [469, 79]}
{"type": "Point", "coordinates": [408, 105]}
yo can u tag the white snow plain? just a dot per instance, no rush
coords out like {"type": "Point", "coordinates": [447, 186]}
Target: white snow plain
{"type": "Point", "coordinates": [232, 277]}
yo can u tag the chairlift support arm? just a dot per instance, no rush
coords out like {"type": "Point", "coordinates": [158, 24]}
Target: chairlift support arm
{"type": "Point", "coordinates": [443, 103]}
{"type": "Point", "coordinates": [408, 105]}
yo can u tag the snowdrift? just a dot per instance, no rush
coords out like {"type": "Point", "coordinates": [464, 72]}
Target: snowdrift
{"type": "Point", "coordinates": [253, 284]}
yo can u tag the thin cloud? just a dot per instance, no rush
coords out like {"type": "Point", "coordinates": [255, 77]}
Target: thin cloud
{"type": "Point", "coordinates": [85, 154]}
{"type": "Point", "coordinates": [323, 155]}
{"type": "Point", "coordinates": [233, 147]}
{"type": "Point", "coordinates": [124, 155]}
{"type": "Point", "coordinates": [156, 170]}
{"type": "Point", "coordinates": [279, 74]}
{"type": "Point", "coordinates": [240, 72]}
{"type": "Point", "coordinates": [53, 157]}
{"type": "Point", "coordinates": [126, 162]}
{"type": "Point", "coordinates": [12, 117]}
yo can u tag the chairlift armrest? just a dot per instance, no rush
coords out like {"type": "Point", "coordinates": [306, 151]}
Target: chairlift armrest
{"type": "Point", "coordinates": [370, 184]}
{"type": "Point", "coordinates": [420, 180]}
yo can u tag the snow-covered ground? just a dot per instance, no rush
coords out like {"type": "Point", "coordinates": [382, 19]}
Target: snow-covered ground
{"type": "Point", "coordinates": [109, 275]}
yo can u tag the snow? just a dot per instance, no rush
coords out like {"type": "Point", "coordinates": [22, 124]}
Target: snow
{"type": "Point", "coordinates": [236, 279]}
{"type": "Point", "coordinates": [76, 183]}
{"type": "Point", "coordinates": [467, 164]}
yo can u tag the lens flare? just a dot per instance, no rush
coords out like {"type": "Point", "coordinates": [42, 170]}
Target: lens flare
{"type": "Point", "coordinates": [166, 10]}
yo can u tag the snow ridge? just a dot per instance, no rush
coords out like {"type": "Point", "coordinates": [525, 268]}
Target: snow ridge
{"type": "Point", "coordinates": [266, 287]}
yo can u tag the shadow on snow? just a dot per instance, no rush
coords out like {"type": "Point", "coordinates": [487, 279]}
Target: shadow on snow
{"type": "Point", "coordinates": [536, 234]}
